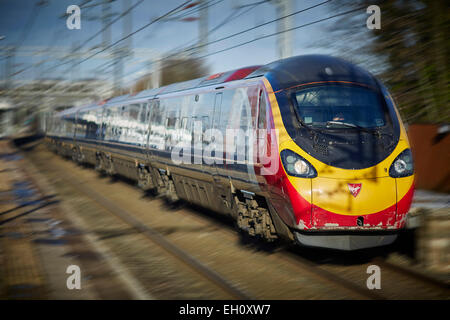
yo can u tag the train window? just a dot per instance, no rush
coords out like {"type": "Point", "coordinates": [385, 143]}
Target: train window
{"type": "Point", "coordinates": [117, 129]}
{"type": "Point", "coordinates": [225, 110]}
{"type": "Point", "coordinates": [184, 123]}
{"type": "Point", "coordinates": [95, 119]}
{"type": "Point", "coordinates": [262, 110]}
{"type": "Point", "coordinates": [205, 123]}
{"type": "Point", "coordinates": [157, 128]}
{"type": "Point", "coordinates": [114, 123]}
{"type": "Point", "coordinates": [157, 112]}
{"type": "Point", "coordinates": [125, 114]}
{"type": "Point", "coordinates": [99, 118]}
{"type": "Point", "coordinates": [202, 112]}
{"type": "Point", "coordinates": [144, 113]}
{"type": "Point", "coordinates": [205, 105]}
{"type": "Point", "coordinates": [184, 133]}
{"type": "Point", "coordinates": [172, 121]}
{"type": "Point", "coordinates": [340, 107]}
{"type": "Point", "coordinates": [173, 107]}
{"type": "Point", "coordinates": [106, 124]}
{"type": "Point", "coordinates": [88, 118]}
{"type": "Point", "coordinates": [240, 118]}
{"type": "Point", "coordinates": [240, 113]}
{"type": "Point", "coordinates": [217, 112]}
{"type": "Point", "coordinates": [67, 126]}
{"type": "Point", "coordinates": [81, 126]}
{"type": "Point", "coordinates": [253, 98]}
{"type": "Point", "coordinates": [141, 125]}
{"type": "Point", "coordinates": [134, 111]}
{"type": "Point", "coordinates": [131, 124]}
{"type": "Point", "coordinates": [244, 118]}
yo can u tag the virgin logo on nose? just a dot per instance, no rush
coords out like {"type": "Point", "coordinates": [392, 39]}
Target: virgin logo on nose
{"type": "Point", "coordinates": [354, 188]}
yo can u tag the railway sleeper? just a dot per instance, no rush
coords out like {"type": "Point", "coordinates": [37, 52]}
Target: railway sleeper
{"type": "Point", "coordinates": [255, 219]}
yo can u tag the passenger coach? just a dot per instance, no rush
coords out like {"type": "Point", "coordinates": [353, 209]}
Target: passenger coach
{"type": "Point", "coordinates": [309, 148]}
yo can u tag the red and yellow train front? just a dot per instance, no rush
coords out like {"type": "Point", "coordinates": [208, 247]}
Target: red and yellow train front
{"type": "Point", "coordinates": [343, 181]}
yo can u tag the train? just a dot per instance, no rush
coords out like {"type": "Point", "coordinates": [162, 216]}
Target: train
{"type": "Point", "coordinates": [7, 112]}
{"type": "Point", "coordinates": [310, 149]}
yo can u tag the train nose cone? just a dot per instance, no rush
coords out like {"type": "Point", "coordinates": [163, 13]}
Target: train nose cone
{"type": "Point", "coordinates": [342, 203]}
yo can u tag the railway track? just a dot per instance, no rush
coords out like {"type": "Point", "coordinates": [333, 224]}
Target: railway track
{"type": "Point", "coordinates": [153, 235]}
{"type": "Point", "coordinates": [413, 274]}
{"type": "Point", "coordinates": [210, 274]}
{"type": "Point", "coordinates": [231, 290]}
{"type": "Point", "coordinates": [330, 274]}
{"type": "Point", "coordinates": [333, 276]}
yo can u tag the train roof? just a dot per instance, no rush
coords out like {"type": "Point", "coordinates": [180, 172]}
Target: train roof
{"type": "Point", "coordinates": [146, 93]}
{"type": "Point", "coordinates": [217, 78]}
{"type": "Point", "coordinates": [295, 71]}
{"type": "Point", "coordinates": [227, 76]}
{"type": "Point", "coordinates": [91, 106]}
{"type": "Point", "coordinates": [117, 100]}
{"type": "Point", "coordinates": [282, 74]}
{"type": "Point", "coordinates": [72, 110]}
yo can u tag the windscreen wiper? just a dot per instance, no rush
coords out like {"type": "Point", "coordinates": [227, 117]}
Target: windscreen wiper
{"type": "Point", "coordinates": [376, 132]}
{"type": "Point", "coordinates": [350, 125]}
{"type": "Point", "coordinates": [346, 124]}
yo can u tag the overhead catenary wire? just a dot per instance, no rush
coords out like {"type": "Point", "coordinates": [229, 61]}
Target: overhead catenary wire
{"type": "Point", "coordinates": [123, 14]}
{"type": "Point", "coordinates": [30, 23]}
{"type": "Point", "coordinates": [25, 32]}
{"type": "Point", "coordinates": [267, 36]}
{"type": "Point", "coordinates": [279, 32]}
{"type": "Point", "coordinates": [77, 48]}
{"type": "Point", "coordinates": [237, 33]}
{"type": "Point", "coordinates": [196, 9]}
{"type": "Point", "coordinates": [246, 30]}
{"type": "Point", "coordinates": [161, 18]}
{"type": "Point", "coordinates": [133, 33]}
{"type": "Point", "coordinates": [234, 15]}
{"type": "Point", "coordinates": [225, 21]}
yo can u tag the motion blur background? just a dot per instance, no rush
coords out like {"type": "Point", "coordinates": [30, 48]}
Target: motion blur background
{"type": "Point", "coordinates": [125, 46]}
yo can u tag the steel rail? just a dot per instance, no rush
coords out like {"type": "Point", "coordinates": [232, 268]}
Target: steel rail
{"type": "Point", "coordinates": [160, 240]}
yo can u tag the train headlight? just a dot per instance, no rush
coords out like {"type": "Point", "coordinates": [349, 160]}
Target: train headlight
{"type": "Point", "coordinates": [402, 165]}
{"type": "Point", "coordinates": [296, 165]}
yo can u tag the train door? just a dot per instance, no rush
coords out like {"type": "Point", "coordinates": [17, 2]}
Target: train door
{"type": "Point", "coordinates": [241, 140]}
{"type": "Point", "coordinates": [153, 120]}
{"type": "Point", "coordinates": [262, 145]}
{"type": "Point", "coordinates": [99, 116]}
{"type": "Point", "coordinates": [144, 121]}
{"type": "Point", "coordinates": [220, 179]}
{"type": "Point", "coordinates": [203, 110]}
{"type": "Point", "coordinates": [216, 154]}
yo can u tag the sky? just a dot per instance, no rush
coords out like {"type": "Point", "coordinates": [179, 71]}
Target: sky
{"type": "Point", "coordinates": [25, 23]}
